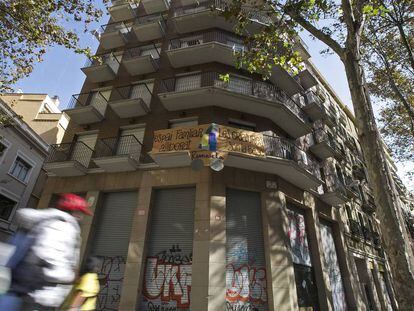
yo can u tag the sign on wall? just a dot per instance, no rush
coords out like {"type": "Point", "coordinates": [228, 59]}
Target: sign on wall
{"type": "Point", "coordinates": [228, 140]}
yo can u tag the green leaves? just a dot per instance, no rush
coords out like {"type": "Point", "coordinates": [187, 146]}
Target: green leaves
{"type": "Point", "coordinates": [28, 27]}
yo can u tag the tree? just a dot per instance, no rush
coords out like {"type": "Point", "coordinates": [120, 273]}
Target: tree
{"type": "Point", "coordinates": [28, 27]}
{"type": "Point", "coordinates": [387, 48]}
{"type": "Point", "coordinates": [340, 25]}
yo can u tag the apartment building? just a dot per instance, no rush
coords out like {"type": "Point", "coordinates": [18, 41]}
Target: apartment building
{"type": "Point", "coordinates": [41, 112]}
{"type": "Point", "coordinates": [22, 153]}
{"type": "Point", "coordinates": [213, 193]}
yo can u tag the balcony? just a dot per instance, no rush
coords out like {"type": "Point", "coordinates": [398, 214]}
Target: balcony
{"type": "Point", "coordinates": [149, 27]}
{"type": "Point", "coordinates": [281, 158]}
{"type": "Point", "coordinates": [118, 154]}
{"type": "Point", "coordinates": [131, 101]}
{"type": "Point", "coordinates": [368, 202]}
{"type": "Point", "coordinates": [209, 47]}
{"type": "Point", "coordinates": [352, 187]}
{"type": "Point", "coordinates": [376, 239]}
{"type": "Point", "coordinates": [141, 60]}
{"type": "Point", "coordinates": [122, 10]}
{"type": "Point", "coordinates": [335, 192]}
{"type": "Point", "coordinates": [87, 108]}
{"type": "Point", "coordinates": [199, 16]}
{"type": "Point", "coordinates": [68, 159]}
{"type": "Point", "coordinates": [101, 68]}
{"type": "Point", "coordinates": [307, 79]}
{"type": "Point", "coordinates": [238, 93]}
{"type": "Point", "coordinates": [155, 6]}
{"type": "Point", "coordinates": [355, 229]}
{"type": "Point", "coordinates": [114, 35]}
{"type": "Point", "coordinates": [325, 146]}
{"type": "Point", "coordinates": [314, 106]}
{"type": "Point", "coordinates": [283, 80]}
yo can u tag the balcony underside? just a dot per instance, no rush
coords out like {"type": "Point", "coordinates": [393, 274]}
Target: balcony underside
{"type": "Point", "coordinates": [334, 198]}
{"type": "Point", "coordinates": [313, 111]}
{"type": "Point", "coordinates": [128, 108]}
{"type": "Point", "coordinates": [121, 12]}
{"type": "Point", "coordinates": [100, 73]}
{"type": "Point", "coordinates": [322, 150]}
{"type": "Point", "coordinates": [122, 163]}
{"type": "Point", "coordinates": [307, 79]}
{"type": "Point", "coordinates": [112, 40]}
{"type": "Point", "coordinates": [154, 6]}
{"type": "Point", "coordinates": [205, 20]}
{"type": "Point", "coordinates": [282, 79]}
{"type": "Point", "coordinates": [140, 65]}
{"type": "Point", "coordinates": [65, 168]}
{"type": "Point", "coordinates": [200, 54]}
{"type": "Point", "coordinates": [84, 115]}
{"type": "Point", "coordinates": [286, 169]}
{"type": "Point", "coordinates": [148, 31]}
{"type": "Point", "coordinates": [211, 96]}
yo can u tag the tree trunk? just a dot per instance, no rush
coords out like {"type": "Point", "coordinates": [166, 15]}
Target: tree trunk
{"type": "Point", "coordinates": [394, 233]}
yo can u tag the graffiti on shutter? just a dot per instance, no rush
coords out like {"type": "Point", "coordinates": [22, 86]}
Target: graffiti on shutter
{"type": "Point", "coordinates": [245, 264]}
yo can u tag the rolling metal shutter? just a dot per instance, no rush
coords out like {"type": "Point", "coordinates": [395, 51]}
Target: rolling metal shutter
{"type": "Point", "coordinates": [110, 242]}
{"type": "Point", "coordinates": [331, 263]}
{"type": "Point", "coordinates": [245, 261]}
{"type": "Point", "coordinates": [167, 279]}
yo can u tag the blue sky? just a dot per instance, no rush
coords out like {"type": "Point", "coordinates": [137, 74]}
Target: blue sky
{"type": "Point", "coordinates": [60, 74]}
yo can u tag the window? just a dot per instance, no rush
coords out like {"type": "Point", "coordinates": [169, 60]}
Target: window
{"type": "Point", "coordinates": [20, 169]}
{"type": "Point", "coordinates": [6, 207]}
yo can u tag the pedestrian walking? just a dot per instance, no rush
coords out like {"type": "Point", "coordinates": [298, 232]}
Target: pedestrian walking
{"type": "Point", "coordinates": [43, 266]}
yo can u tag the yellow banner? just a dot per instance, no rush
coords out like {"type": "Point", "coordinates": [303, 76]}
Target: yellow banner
{"type": "Point", "coordinates": [189, 138]}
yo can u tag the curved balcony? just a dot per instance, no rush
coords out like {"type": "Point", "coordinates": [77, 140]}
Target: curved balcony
{"type": "Point", "coordinates": [114, 35]}
{"type": "Point", "coordinates": [314, 106]}
{"type": "Point", "coordinates": [141, 60]}
{"type": "Point", "coordinates": [131, 101]}
{"type": "Point", "coordinates": [102, 68]}
{"type": "Point", "coordinates": [122, 10]}
{"type": "Point", "coordinates": [335, 192]}
{"type": "Point", "coordinates": [86, 108]}
{"type": "Point", "coordinates": [325, 145]}
{"type": "Point", "coordinates": [68, 159]}
{"type": "Point", "coordinates": [199, 16]}
{"type": "Point", "coordinates": [213, 46]}
{"type": "Point", "coordinates": [238, 93]}
{"type": "Point", "coordinates": [149, 27]}
{"type": "Point", "coordinates": [118, 154]}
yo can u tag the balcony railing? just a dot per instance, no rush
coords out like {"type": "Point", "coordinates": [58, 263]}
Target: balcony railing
{"type": "Point", "coordinates": [333, 184]}
{"type": "Point", "coordinates": [134, 91]}
{"type": "Point", "coordinates": [236, 84]}
{"type": "Point", "coordinates": [376, 239]}
{"type": "Point", "coordinates": [109, 58]}
{"type": "Point", "coordinates": [151, 18]}
{"type": "Point", "coordinates": [352, 187]}
{"type": "Point", "coordinates": [141, 51]}
{"type": "Point", "coordinates": [355, 229]}
{"type": "Point", "coordinates": [322, 135]}
{"type": "Point", "coordinates": [368, 202]}
{"type": "Point", "coordinates": [219, 5]}
{"type": "Point", "coordinates": [74, 151]}
{"type": "Point", "coordinates": [127, 145]}
{"type": "Point", "coordinates": [118, 26]}
{"type": "Point", "coordinates": [282, 148]}
{"type": "Point", "coordinates": [88, 99]}
{"type": "Point", "coordinates": [212, 36]}
{"type": "Point", "coordinates": [367, 233]}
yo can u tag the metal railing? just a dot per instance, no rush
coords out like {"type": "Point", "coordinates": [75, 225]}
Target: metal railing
{"type": "Point", "coordinates": [117, 26]}
{"type": "Point", "coordinates": [236, 84]}
{"type": "Point", "coordinates": [109, 58]}
{"type": "Point", "coordinates": [232, 41]}
{"type": "Point", "coordinates": [74, 151]}
{"type": "Point", "coordinates": [127, 145]}
{"type": "Point", "coordinates": [151, 18]}
{"type": "Point", "coordinates": [133, 91]}
{"type": "Point", "coordinates": [138, 51]}
{"type": "Point", "coordinates": [368, 202]}
{"type": "Point", "coordinates": [355, 228]}
{"type": "Point", "coordinates": [352, 187]}
{"type": "Point", "coordinates": [313, 98]}
{"type": "Point", "coordinates": [219, 5]}
{"type": "Point", "coordinates": [376, 239]}
{"type": "Point", "coordinates": [333, 183]}
{"type": "Point", "coordinates": [367, 233]}
{"type": "Point", "coordinates": [87, 99]}
{"type": "Point", "coordinates": [133, 3]}
{"type": "Point", "coordinates": [282, 148]}
{"type": "Point", "coordinates": [323, 135]}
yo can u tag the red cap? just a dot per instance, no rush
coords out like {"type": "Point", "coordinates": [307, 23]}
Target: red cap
{"type": "Point", "coordinates": [72, 202]}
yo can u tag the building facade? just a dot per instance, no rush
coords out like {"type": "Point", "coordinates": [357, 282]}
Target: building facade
{"type": "Point", "coordinates": [287, 224]}
{"type": "Point", "coordinates": [40, 112]}
{"type": "Point", "coordinates": [22, 153]}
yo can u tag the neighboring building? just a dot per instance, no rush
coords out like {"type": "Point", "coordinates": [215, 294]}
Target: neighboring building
{"type": "Point", "coordinates": [288, 223]}
{"type": "Point", "coordinates": [41, 113]}
{"type": "Point", "coordinates": [22, 153]}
